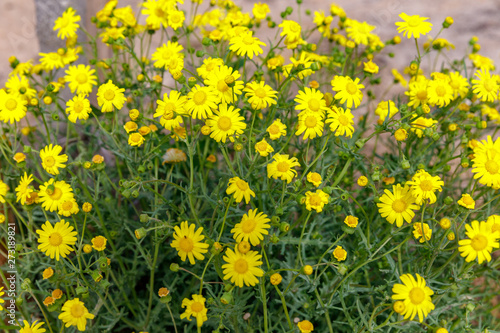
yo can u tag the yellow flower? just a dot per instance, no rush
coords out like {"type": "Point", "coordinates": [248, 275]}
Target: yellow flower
{"type": "Point", "coordinates": [292, 31]}
{"type": "Point", "coordinates": [78, 108]}
{"type": "Point", "coordinates": [311, 125]}
{"type": "Point", "coordinates": [87, 207]}
{"type": "Point", "coordinates": [226, 123]}
{"type": "Point", "coordinates": [57, 294]}
{"type": "Point", "coordinates": [220, 79]}
{"type": "Point", "coordinates": [423, 186]}
{"type": "Point", "coordinates": [189, 243]}
{"type": "Point", "coordinates": [386, 110]}
{"type": "Point", "coordinates": [486, 86]}
{"type": "Point", "coordinates": [398, 205]}
{"type": "Point", "coordinates": [305, 326]}
{"type": "Point", "coordinates": [81, 79]}
{"type": "Point", "coordinates": [99, 243]}
{"type": "Point", "coordinates": [459, 84]}
{"type": "Point", "coordinates": [310, 101]}
{"type": "Point", "coordinates": [316, 200]}
{"type": "Point", "coordinates": [51, 160]}
{"type": "Point", "coordinates": [135, 139]}
{"type": "Point", "coordinates": [240, 189]}
{"type": "Point", "coordinates": [417, 92]}
{"type": "Point", "coordinates": [276, 279]}
{"type": "Point", "coordinates": [47, 273]}
{"type": "Point", "coordinates": [156, 12]}
{"type": "Point", "coordinates": [174, 155]}
{"type": "Point", "coordinates": [246, 45]}
{"type": "Point", "coordinates": [242, 268]}
{"type": "Point", "coordinates": [12, 107]}
{"type": "Point", "coordinates": [351, 221]}
{"type": "Point", "coordinates": [263, 148]}
{"type": "Point", "coordinates": [209, 64]}
{"type": "Point", "coordinates": [56, 241]}
{"type": "Point", "coordinates": [196, 308]}
{"type": "Point", "coordinates": [74, 313]}
{"type": "Point", "coordinates": [130, 126]}
{"type": "Point", "coordinates": [358, 32]}
{"type": "Point", "coordinates": [482, 62]}
{"type": "Point", "coordinates": [53, 193]}
{"type": "Point", "coordinates": [486, 162]}
{"type": "Point", "coordinates": [67, 24]}
{"type": "Point", "coordinates": [251, 228]}
{"type": "Point", "coordinates": [348, 90]}
{"type": "Point", "coordinates": [415, 295]}
{"type": "Point", "coordinates": [419, 235]}
{"type": "Point", "coordinates": [162, 292]}
{"type": "Point", "coordinates": [112, 33]}
{"type": "Point", "coordinates": [175, 19]}
{"type": "Point", "coordinates": [33, 328]}
{"type": "Point", "coordinates": [314, 178]}
{"type": "Point", "coordinates": [109, 96]}
{"type": "Point", "coordinates": [339, 253]}
{"type": "Point", "coordinates": [467, 201]}
{"type": "Point", "coordinates": [420, 124]}
{"type": "Point", "coordinates": [260, 11]}
{"type": "Point", "coordinates": [276, 130]}
{"type": "Point", "coordinates": [68, 208]}
{"type": "Point", "coordinates": [20, 85]}
{"type": "Point", "coordinates": [362, 181]}
{"type": "Point", "coordinates": [482, 240]}
{"type": "Point", "coordinates": [282, 167]}
{"type": "Point", "coordinates": [414, 25]}
{"type": "Point", "coordinates": [439, 92]}
{"type": "Point", "coordinates": [201, 101]}
{"type": "Point", "coordinates": [341, 121]}
{"type": "Point", "coordinates": [24, 190]}
{"type": "Point", "coordinates": [170, 106]}
{"type": "Point", "coordinates": [260, 95]}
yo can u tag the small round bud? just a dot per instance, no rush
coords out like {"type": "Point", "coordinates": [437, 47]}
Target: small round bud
{"type": "Point", "coordinates": [174, 267]}
{"type": "Point", "coordinates": [401, 134]}
{"type": "Point", "coordinates": [144, 218]}
{"type": "Point", "coordinates": [307, 269]}
{"type": "Point", "coordinates": [362, 181]}
{"type": "Point", "coordinates": [399, 307]}
{"type": "Point", "coordinates": [227, 297]}
{"type": "Point", "coordinates": [140, 233]}
{"type": "Point", "coordinates": [87, 248]}
{"type": "Point", "coordinates": [451, 236]}
{"type": "Point", "coordinates": [405, 164]}
{"type": "Point", "coordinates": [445, 223]}
{"type": "Point", "coordinates": [276, 279]}
{"type": "Point", "coordinates": [284, 226]}
{"type": "Point", "coordinates": [448, 200]}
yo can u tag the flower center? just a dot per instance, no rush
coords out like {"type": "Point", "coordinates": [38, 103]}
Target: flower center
{"type": "Point", "coordinates": [294, 28]}
{"type": "Point", "coordinates": [260, 92]}
{"type": "Point", "coordinates": [186, 244]}
{"type": "Point", "coordinates": [67, 205]}
{"type": "Point", "coordinates": [262, 146]}
{"type": "Point", "coordinates": [492, 167]}
{"type": "Point", "coordinates": [222, 86]}
{"type": "Point", "coordinates": [196, 307]}
{"type": "Point", "coordinates": [241, 266]}
{"type": "Point", "coordinates": [315, 200]}
{"type": "Point", "coordinates": [399, 206]}
{"type": "Point", "coordinates": [159, 12]}
{"type": "Point", "coordinates": [413, 22]}
{"type": "Point", "coordinates": [440, 91]}
{"type": "Point", "coordinates": [98, 242]}
{"type": "Point", "coordinates": [78, 106]}
{"type": "Point", "coordinates": [422, 95]}
{"type": "Point", "coordinates": [283, 167]}
{"type": "Point", "coordinates": [77, 310]}
{"type": "Point", "coordinates": [248, 226]}
{"type": "Point", "coordinates": [479, 242]}
{"type": "Point", "coordinates": [242, 185]}
{"type": "Point", "coordinates": [199, 97]}
{"type": "Point", "coordinates": [169, 108]}
{"type": "Point", "coordinates": [81, 78]}
{"type": "Point", "coordinates": [488, 85]}
{"type": "Point", "coordinates": [248, 40]}
{"type": "Point", "coordinates": [417, 295]}
{"type": "Point", "coordinates": [351, 88]}
{"type": "Point", "coordinates": [57, 194]}
{"type": "Point", "coordinates": [175, 18]}
{"type": "Point", "coordinates": [63, 22]}
{"type": "Point", "coordinates": [173, 63]}
{"type": "Point", "coordinates": [49, 161]}
{"type": "Point", "coordinates": [11, 104]}
{"type": "Point", "coordinates": [455, 84]}
{"type": "Point", "coordinates": [224, 123]}
{"type": "Point", "coordinates": [426, 185]}
{"type": "Point", "coordinates": [166, 54]}
{"type": "Point", "coordinates": [468, 201]}
{"type": "Point", "coordinates": [313, 104]}
{"type": "Point", "coordinates": [310, 121]}
{"type": "Point", "coordinates": [343, 120]}
{"type": "Point", "coordinates": [306, 325]}
{"type": "Point", "coordinates": [274, 129]}
{"type": "Point", "coordinates": [109, 95]}
{"type": "Point", "coordinates": [210, 67]}
{"type": "Point", "coordinates": [55, 239]}
{"type": "Point", "coordinates": [315, 177]}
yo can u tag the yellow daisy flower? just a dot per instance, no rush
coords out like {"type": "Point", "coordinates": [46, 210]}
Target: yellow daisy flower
{"type": "Point", "coordinates": [347, 90]}
{"type": "Point", "coordinates": [423, 186]}
{"type": "Point", "coordinates": [263, 148]}
{"type": "Point", "coordinates": [467, 201]}
{"type": "Point", "coordinates": [246, 45]}
{"type": "Point", "coordinates": [305, 326]}
{"type": "Point", "coordinates": [276, 130]}
{"type": "Point", "coordinates": [74, 313]}
{"type": "Point", "coordinates": [110, 96]}
{"type": "Point", "coordinates": [417, 93]}
{"type": "Point", "coordinates": [414, 25]}
{"type": "Point", "coordinates": [341, 121]}
{"type": "Point", "coordinates": [196, 308]}
{"type": "Point", "coordinates": [67, 24]}
{"type": "Point", "coordinates": [78, 108]}
{"type": "Point", "coordinates": [314, 178]}
{"type": "Point", "coordinates": [420, 124]}
{"type": "Point", "coordinates": [260, 11]}
{"type": "Point", "coordinates": [459, 85]}
{"type": "Point", "coordinates": [310, 101]}
{"type": "Point", "coordinates": [486, 86]}
{"type": "Point", "coordinates": [50, 61]}
{"type": "Point", "coordinates": [486, 162]}
{"type": "Point", "coordinates": [56, 241]}
{"type": "Point", "coordinates": [415, 295]}
{"type": "Point", "coordinates": [386, 110]}
{"type": "Point", "coordinates": [242, 268]}
{"type": "Point", "coordinates": [252, 228]}
{"type": "Point", "coordinates": [226, 123]}
{"type": "Point", "coordinates": [189, 242]}
{"type": "Point", "coordinates": [260, 95]}
{"type": "Point", "coordinates": [482, 240]}
{"type": "Point", "coordinates": [209, 64]}
{"type": "Point", "coordinates": [81, 79]}
{"type": "Point", "coordinates": [68, 208]}
{"type": "Point", "coordinates": [53, 193]}
{"type": "Point", "coordinates": [439, 92]}
{"type": "Point", "coordinates": [51, 160]}
{"type": "Point", "coordinates": [135, 139]}
{"type": "Point", "coordinates": [175, 19]}
{"type": "Point", "coordinates": [3, 191]}
{"type": "Point", "coordinates": [398, 205]}
{"type": "Point", "coordinates": [16, 85]}
{"type": "Point", "coordinates": [282, 167]}
{"type": "Point", "coordinates": [12, 107]}
{"type": "Point", "coordinates": [24, 190]}
{"type": "Point", "coordinates": [156, 12]}
{"type": "Point", "coordinates": [358, 32]}
{"type": "Point", "coordinates": [225, 83]}
{"type": "Point", "coordinates": [339, 253]}
{"type": "Point", "coordinates": [99, 243]}
{"type": "Point", "coordinates": [201, 101]}
{"type": "Point", "coordinates": [482, 62]}
{"type": "Point", "coordinates": [316, 200]}
{"type": "Point", "coordinates": [419, 235]}
{"type": "Point", "coordinates": [240, 189]}
{"type": "Point", "coordinates": [33, 328]}
{"type": "Point", "coordinates": [311, 125]}
{"type": "Point", "coordinates": [170, 105]}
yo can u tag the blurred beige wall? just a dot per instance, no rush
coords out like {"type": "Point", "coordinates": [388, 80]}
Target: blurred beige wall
{"type": "Point", "coordinates": [18, 34]}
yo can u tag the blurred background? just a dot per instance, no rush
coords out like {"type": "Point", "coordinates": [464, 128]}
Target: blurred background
{"type": "Point", "coordinates": [26, 25]}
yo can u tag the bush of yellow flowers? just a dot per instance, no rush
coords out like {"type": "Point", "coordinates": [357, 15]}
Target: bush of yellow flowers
{"type": "Point", "coordinates": [205, 178]}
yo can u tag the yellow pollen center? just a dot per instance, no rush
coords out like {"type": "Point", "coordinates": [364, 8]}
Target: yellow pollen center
{"type": "Point", "coordinates": [63, 22]}
{"type": "Point", "coordinates": [222, 86]}
{"type": "Point", "coordinates": [109, 95]}
{"type": "Point", "coordinates": [248, 40]}
{"type": "Point", "coordinates": [479, 242]}
{"type": "Point", "coordinates": [169, 108]}
{"type": "Point", "coordinates": [315, 200]}
{"type": "Point", "coordinates": [488, 85]}
{"type": "Point", "coordinates": [294, 27]}
{"type": "Point", "coordinates": [315, 178]}
{"type": "Point", "coordinates": [468, 201]}
{"type": "Point", "coordinates": [413, 22]}
{"type": "Point", "coordinates": [78, 106]}
{"type": "Point", "coordinates": [54, 56]}
{"type": "Point", "coordinates": [166, 54]}
{"type": "Point", "coordinates": [343, 120]}
{"type": "Point", "coordinates": [351, 88]}
{"type": "Point", "coordinates": [11, 104]}
{"type": "Point", "coordinates": [454, 84]}
{"type": "Point", "coordinates": [186, 244]}
{"type": "Point", "coordinates": [399, 206]}
{"type": "Point", "coordinates": [77, 311]}
{"type": "Point", "coordinates": [283, 167]}
{"type": "Point", "coordinates": [98, 242]}
{"type": "Point", "coordinates": [274, 129]}
{"type": "Point", "coordinates": [248, 226]}
{"type": "Point", "coordinates": [314, 104]}
{"type": "Point", "coordinates": [440, 91]}
{"type": "Point", "coordinates": [81, 78]}
{"type": "Point", "coordinates": [57, 194]}
{"type": "Point", "coordinates": [242, 185]}
{"type": "Point", "coordinates": [49, 161]}
{"type": "Point", "coordinates": [426, 185]}
{"type": "Point", "coordinates": [173, 63]}
{"type": "Point", "coordinates": [210, 67]}
{"type": "Point", "coordinates": [159, 12]}
{"type": "Point", "coordinates": [199, 97]}
{"type": "Point", "coordinates": [55, 239]}
{"type": "Point", "coordinates": [241, 266]}
{"type": "Point", "coordinates": [422, 95]}
{"type": "Point", "coordinates": [67, 205]}
{"type": "Point", "coordinates": [310, 122]}
{"type": "Point", "coordinates": [224, 123]}
{"type": "Point", "coordinates": [260, 92]}
{"type": "Point", "coordinates": [492, 167]}
{"type": "Point", "coordinates": [306, 326]}
{"type": "Point", "coordinates": [196, 307]}
{"type": "Point", "coordinates": [262, 146]}
{"type": "Point", "coordinates": [417, 295]}
{"type": "Point", "coordinates": [175, 18]}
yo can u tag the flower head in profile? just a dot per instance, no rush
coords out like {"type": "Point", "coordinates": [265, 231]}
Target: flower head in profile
{"type": "Point", "coordinates": [481, 242]}
{"type": "Point", "coordinates": [422, 232]}
{"type": "Point", "coordinates": [251, 228]}
{"type": "Point", "coordinates": [188, 241]}
{"type": "Point", "coordinates": [276, 130]}
{"type": "Point", "coordinates": [239, 189]}
{"type": "Point", "coordinates": [467, 201]}
{"type": "Point", "coordinates": [242, 268]}
{"type": "Point", "coordinates": [282, 167]}
{"type": "Point", "coordinates": [195, 307]}
{"type": "Point", "coordinates": [415, 295]}
{"type": "Point", "coordinates": [4, 188]}
{"type": "Point", "coordinates": [67, 24]}
{"type": "Point", "coordinates": [56, 241]}
{"type": "Point", "coordinates": [413, 25]}
{"type": "Point", "coordinates": [74, 313]}
{"type": "Point", "coordinates": [263, 148]}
